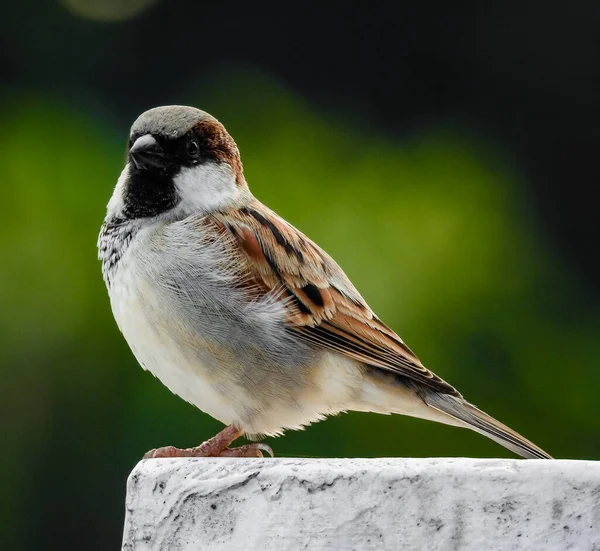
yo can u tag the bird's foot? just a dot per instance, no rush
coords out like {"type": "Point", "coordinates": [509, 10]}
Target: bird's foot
{"type": "Point", "coordinates": [217, 446]}
{"type": "Point", "coordinates": [249, 450]}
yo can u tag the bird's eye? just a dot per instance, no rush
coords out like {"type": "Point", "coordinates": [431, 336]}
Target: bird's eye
{"type": "Point", "coordinates": [193, 149]}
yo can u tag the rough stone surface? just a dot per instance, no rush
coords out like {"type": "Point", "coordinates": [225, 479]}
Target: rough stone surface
{"type": "Point", "coordinates": [346, 504]}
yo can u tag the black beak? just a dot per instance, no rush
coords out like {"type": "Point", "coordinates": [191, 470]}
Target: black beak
{"type": "Point", "coordinates": [146, 153]}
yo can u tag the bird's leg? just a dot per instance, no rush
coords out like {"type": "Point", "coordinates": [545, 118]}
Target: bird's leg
{"type": "Point", "coordinates": [217, 446]}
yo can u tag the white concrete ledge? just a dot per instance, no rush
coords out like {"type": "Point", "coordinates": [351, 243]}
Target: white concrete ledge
{"type": "Point", "coordinates": [356, 504]}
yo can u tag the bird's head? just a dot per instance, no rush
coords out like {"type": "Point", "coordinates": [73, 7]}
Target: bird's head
{"type": "Point", "coordinates": [180, 159]}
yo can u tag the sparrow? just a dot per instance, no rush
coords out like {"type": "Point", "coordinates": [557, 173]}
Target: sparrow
{"type": "Point", "coordinates": [238, 312]}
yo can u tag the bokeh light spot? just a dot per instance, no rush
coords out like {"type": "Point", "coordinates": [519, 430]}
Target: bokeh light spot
{"type": "Point", "coordinates": [107, 10]}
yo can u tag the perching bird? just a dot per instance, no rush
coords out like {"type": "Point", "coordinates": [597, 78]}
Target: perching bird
{"type": "Point", "coordinates": [238, 312]}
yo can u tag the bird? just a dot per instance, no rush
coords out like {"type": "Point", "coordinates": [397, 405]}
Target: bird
{"type": "Point", "coordinates": [242, 315]}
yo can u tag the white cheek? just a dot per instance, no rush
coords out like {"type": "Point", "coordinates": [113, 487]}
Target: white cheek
{"type": "Point", "coordinates": [116, 204]}
{"type": "Point", "coordinates": [207, 187]}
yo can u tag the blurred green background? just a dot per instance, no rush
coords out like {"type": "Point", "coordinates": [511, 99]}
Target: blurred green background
{"type": "Point", "coordinates": [431, 169]}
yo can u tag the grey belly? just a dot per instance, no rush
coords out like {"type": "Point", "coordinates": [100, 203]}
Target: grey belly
{"type": "Point", "coordinates": [230, 356]}
{"type": "Point", "coordinates": [188, 321]}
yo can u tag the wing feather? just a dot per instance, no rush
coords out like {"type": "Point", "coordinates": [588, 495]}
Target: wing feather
{"type": "Point", "coordinates": [323, 306]}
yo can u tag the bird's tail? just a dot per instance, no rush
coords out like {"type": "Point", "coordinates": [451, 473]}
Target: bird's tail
{"type": "Point", "coordinates": [482, 423]}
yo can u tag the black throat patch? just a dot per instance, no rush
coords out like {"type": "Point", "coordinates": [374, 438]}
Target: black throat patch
{"type": "Point", "coordinates": [148, 193]}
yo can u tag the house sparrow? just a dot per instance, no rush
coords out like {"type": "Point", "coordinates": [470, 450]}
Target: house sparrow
{"type": "Point", "coordinates": [238, 312]}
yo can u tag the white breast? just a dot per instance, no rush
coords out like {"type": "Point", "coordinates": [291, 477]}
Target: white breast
{"type": "Point", "coordinates": [136, 305]}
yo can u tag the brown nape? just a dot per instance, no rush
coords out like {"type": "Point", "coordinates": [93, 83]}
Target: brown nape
{"type": "Point", "coordinates": [219, 143]}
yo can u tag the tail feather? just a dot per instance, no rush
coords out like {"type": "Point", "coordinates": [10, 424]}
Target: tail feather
{"type": "Point", "coordinates": [482, 423]}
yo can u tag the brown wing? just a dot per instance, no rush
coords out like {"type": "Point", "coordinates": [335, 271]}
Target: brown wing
{"type": "Point", "coordinates": [324, 307]}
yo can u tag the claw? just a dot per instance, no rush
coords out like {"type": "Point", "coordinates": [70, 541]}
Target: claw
{"type": "Point", "coordinates": [265, 448]}
{"type": "Point", "coordinates": [249, 450]}
{"type": "Point", "coordinates": [166, 451]}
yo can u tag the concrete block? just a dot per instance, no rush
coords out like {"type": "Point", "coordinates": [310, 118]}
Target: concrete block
{"type": "Point", "coordinates": [355, 504]}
